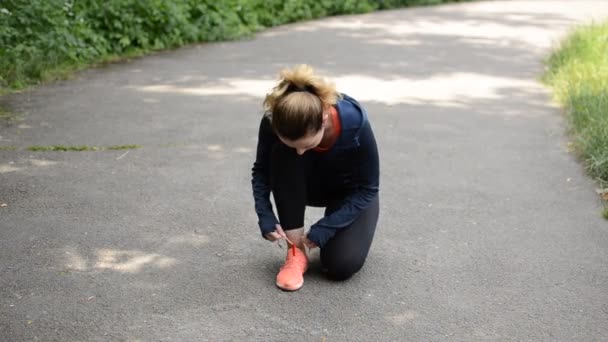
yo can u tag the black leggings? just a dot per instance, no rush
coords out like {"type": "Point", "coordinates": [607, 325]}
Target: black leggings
{"type": "Point", "coordinates": [297, 182]}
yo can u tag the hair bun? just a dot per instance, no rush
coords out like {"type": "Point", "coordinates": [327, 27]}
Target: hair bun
{"type": "Point", "coordinates": [301, 78]}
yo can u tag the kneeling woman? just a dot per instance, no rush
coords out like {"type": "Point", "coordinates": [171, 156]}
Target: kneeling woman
{"type": "Point", "coordinates": [316, 148]}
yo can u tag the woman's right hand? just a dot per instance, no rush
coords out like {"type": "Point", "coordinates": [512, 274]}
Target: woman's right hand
{"type": "Point", "coordinates": [278, 234]}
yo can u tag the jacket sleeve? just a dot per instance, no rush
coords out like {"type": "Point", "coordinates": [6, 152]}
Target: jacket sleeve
{"type": "Point", "coordinates": [261, 178]}
{"type": "Point", "coordinates": [366, 181]}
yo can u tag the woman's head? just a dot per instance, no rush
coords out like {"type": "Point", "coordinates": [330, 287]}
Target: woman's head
{"type": "Point", "coordinates": [298, 105]}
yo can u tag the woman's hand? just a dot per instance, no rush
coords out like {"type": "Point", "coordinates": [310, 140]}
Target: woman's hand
{"type": "Point", "coordinates": [278, 234]}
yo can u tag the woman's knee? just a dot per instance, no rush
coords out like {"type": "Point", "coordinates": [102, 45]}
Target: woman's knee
{"type": "Point", "coordinates": [344, 268]}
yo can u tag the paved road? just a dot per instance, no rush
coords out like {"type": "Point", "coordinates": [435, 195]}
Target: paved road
{"type": "Point", "coordinates": [489, 228]}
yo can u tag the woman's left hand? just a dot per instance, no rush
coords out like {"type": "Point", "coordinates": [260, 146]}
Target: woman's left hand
{"type": "Point", "coordinates": [309, 243]}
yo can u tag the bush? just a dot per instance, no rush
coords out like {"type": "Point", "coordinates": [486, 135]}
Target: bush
{"type": "Point", "coordinates": [42, 39]}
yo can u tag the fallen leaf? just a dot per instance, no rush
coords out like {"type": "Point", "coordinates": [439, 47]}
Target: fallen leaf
{"type": "Point", "coordinates": [570, 146]}
{"type": "Point", "coordinates": [3, 205]}
{"type": "Point", "coordinates": [603, 193]}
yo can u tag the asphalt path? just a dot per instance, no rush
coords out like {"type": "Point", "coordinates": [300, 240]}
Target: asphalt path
{"type": "Point", "coordinates": [489, 228]}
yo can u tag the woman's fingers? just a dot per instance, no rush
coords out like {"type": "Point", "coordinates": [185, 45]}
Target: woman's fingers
{"type": "Point", "coordinates": [278, 234]}
{"type": "Point", "coordinates": [274, 236]}
{"type": "Point", "coordinates": [280, 230]}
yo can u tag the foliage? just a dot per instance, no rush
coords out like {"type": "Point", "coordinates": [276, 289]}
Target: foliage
{"type": "Point", "coordinates": [42, 40]}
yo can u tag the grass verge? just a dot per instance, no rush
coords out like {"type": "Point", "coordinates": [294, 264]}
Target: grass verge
{"type": "Point", "coordinates": [63, 148]}
{"type": "Point", "coordinates": [578, 73]}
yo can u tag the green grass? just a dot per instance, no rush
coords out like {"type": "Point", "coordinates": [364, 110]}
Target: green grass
{"type": "Point", "coordinates": [123, 147]}
{"type": "Point", "coordinates": [4, 115]}
{"type": "Point", "coordinates": [63, 148]}
{"type": "Point", "coordinates": [578, 73]}
{"type": "Point", "coordinates": [7, 117]}
{"type": "Point", "coordinates": [66, 71]}
{"type": "Point", "coordinates": [8, 148]}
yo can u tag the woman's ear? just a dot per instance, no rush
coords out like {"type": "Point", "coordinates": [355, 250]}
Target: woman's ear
{"type": "Point", "coordinates": [325, 117]}
{"type": "Point", "coordinates": [326, 111]}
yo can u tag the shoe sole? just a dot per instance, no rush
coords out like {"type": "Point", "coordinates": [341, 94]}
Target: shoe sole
{"type": "Point", "coordinates": [299, 286]}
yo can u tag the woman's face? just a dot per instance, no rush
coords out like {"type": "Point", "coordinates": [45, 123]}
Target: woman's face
{"type": "Point", "coordinates": [307, 142]}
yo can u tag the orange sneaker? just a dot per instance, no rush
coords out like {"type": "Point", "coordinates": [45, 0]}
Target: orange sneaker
{"type": "Point", "coordinates": [291, 275]}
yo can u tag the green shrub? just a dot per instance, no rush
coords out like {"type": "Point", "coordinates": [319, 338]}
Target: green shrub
{"type": "Point", "coordinates": [42, 39]}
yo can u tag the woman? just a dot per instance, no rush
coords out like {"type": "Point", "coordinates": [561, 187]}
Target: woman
{"type": "Point", "coordinates": [316, 148]}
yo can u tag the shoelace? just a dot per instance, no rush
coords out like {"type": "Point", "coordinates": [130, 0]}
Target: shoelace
{"type": "Point", "coordinates": [294, 264]}
{"type": "Point", "coordinates": [292, 246]}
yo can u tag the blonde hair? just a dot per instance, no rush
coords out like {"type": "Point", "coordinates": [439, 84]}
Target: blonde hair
{"type": "Point", "coordinates": [297, 102]}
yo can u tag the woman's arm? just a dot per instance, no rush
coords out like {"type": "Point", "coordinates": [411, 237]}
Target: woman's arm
{"type": "Point", "coordinates": [260, 180]}
{"type": "Point", "coordinates": [366, 177]}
